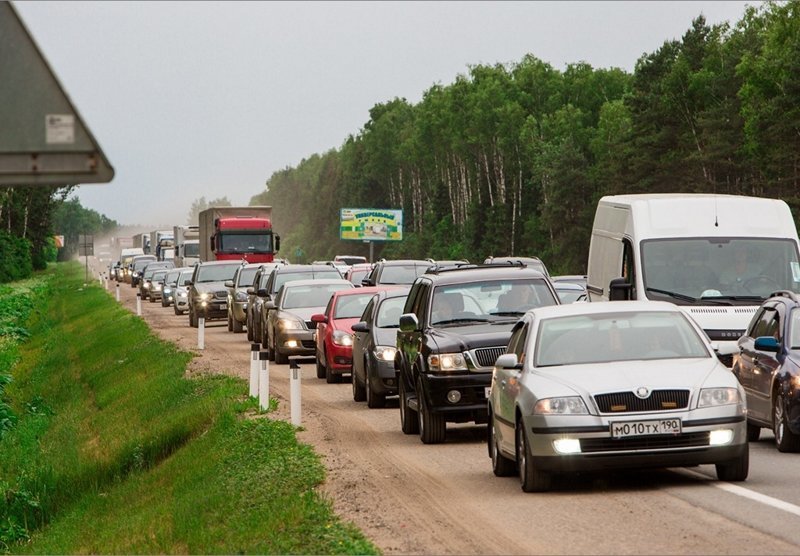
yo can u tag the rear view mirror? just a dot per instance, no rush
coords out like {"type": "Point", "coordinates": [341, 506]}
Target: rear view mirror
{"type": "Point", "coordinates": [619, 290]}
{"type": "Point", "coordinates": [409, 322]}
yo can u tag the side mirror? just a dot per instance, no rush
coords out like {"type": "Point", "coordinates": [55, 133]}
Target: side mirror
{"type": "Point", "coordinates": [319, 318]}
{"type": "Point", "coordinates": [409, 322]}
{"type": "Point", "coordinates": [767, 343]}
{"type": "Point", "coordinates": [619, 290]}
{"type": "Point", "coordinates": [251, 291]}
{"type": "Point", "coordinates": [367, 282]}
{"type": "Point", "coordinates": [277, 243]}
{"type": "Point", "coordinates": [269, 304]}
{"type": "Point", "coordinates": [360, 327]}
{"type": "Point", "coordinates": [228, 283]}
{"type": "Point", "coordinates": [187, 282]}
{"type": "Point", "coordinates": [508, 361]}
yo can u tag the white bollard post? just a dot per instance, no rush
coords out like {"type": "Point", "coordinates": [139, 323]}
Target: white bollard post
{"type": "Point", "coordinates": [100, 277]}
{"type": "Point", "coordinates": [201, 333]}
{"type": "Point", "coordinates": [139, 304]}
{"type": "Point", "coordinates": [294, 392]}
{"type": "Point", "coordinates": [263, 381]}
{"type": "Point", "coordinates": [117, 291]}
{"type": "Point", "coordinates": [254, 349]}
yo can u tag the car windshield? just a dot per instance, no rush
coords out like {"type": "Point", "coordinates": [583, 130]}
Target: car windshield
{"type": "Point", "coordinates": [401, 274]}
{"type": "Point", "coordinates": [389, 312]}
{"type": "Point", "coordinates": [246, 276]}
{"type": "Point", "coordinates": [351, 306]}
{"type": "Point", "coordinates": [232, 242]}
{"type": "Point", "coordinates": [357, 275]}
{"type": "Point", "coordinates": [139, 264]}
{"type": "Point", "coordinates": [490, 301]}
{"type": "Point", "coordinates": [216, 272]}
{"type": "Point", "coordinates": [171, 277]}
{"type": "Point", "coordinates": [606, 337]}
{"type": "Point", "coordinates": [158, 275]}
{"type": "Point", "coordinates": [300, 297]}
{"type": "Point", "coordinates": [688, 270]}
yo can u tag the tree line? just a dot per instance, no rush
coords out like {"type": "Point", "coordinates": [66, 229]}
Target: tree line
{"type": "Point", "coordinates": [512, 159]}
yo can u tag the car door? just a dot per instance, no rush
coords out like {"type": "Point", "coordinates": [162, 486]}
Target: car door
{"type": "Point", "coordinates": [766, 366]}
{"type": "Point", "coordinates": [323, 329]}
{"type": "Point", "coordinates": [747, 366]}
{"type": "Point", "coordinates": [361, 339]}
{"type": "Point", "coordinates": [506, 387]}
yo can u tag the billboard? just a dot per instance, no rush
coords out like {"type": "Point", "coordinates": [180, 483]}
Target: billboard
{"type": "Point", "coordinates": [371, 224]}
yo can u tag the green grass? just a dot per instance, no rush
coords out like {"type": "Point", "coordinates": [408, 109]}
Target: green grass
{"type": "Point", "coordinates": [115, 451]}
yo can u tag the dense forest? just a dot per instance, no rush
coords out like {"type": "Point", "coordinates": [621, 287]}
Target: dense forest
{"type": "Point", "coordinates": [511, 159]}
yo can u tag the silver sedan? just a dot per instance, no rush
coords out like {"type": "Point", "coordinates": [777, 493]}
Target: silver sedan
{"type": "Point", "coordinates": [593, 386]}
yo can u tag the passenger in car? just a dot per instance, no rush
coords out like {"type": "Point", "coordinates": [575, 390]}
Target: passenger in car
{"type": "Point", "coordinates": [446, 306]}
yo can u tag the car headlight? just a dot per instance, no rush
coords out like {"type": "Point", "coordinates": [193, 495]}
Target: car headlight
{"type": "Point", "coordinates": [342, 338]}
{"type": "Point", "coordinates": [157, 287]}
{"type": "Point", "coordinates": [240, 296]}
{"type": "Point", "coordinates": [205, 296]}
{"type": "Point", "coordinates": [567, 405]}
{"type": "Point", "coordinates": [183, 294]}
{"type": "Point", "coordinates": [146, 285]}
{"type": "Point", "coordinates": [167, 290]}
{"type": "Point", "coordinates": [290, 324]}
{"type": "Point", "coordinates": [710, 397]}
{"type": "Point", "coordinates": [447, 362]}
{"type": "Point", "coordinates": [385, 353]}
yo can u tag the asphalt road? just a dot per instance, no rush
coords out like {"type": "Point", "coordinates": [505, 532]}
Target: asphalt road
{"type": "Point", "coordinates": [443, 499]}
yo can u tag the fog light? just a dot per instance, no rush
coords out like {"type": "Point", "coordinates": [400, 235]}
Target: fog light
{"type": "Point", "coordinates": [567, 446]}
{"type": "Point", "coordinates": [290, 343]}
{"type": "Point", "coordinates": [203, 304]}
{"type": "Point", "coordinates": [454, 396]}
{"type": "Point", "coordinates": [720, 437]}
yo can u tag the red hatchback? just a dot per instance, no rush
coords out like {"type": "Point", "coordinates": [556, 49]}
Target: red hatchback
{"type": "Point", "coordinates": [334, 337]}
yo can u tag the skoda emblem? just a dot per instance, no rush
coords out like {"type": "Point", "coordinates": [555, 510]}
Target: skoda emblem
{"type": "Point", "coordinates": [642, 392]}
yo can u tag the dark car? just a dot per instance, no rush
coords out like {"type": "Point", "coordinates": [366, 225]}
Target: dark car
{"type": "Point", "coordinates": [137, 266]}
{"type": "Point", "coordinates": [533, 262]}
{"type": "Point", "coordinates": [254, 303]}
{"type": "Point", "coordinates": [768, 367]}
{"type": "Point", "coordinates": [282, 275]}
{"type": "Point", "coordinates": [146, 277]}
{"type": "Point", "coordinates": [374, 347]}
{"type": "Point", "coordinates": [402, 272]}
{"type": "Point", "coordinates": [208, 297]}
{"type": "Point", "coordinates": [455, 323]}
{"type": "Point", "coordinates": [237, 296]}
{"type": "Point", "coordinates": [289, 324]}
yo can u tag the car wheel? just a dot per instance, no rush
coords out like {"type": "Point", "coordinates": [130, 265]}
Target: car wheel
{"type": "Point", "coordinates": [164, 302]}
{"type": "Point", "coordinates": [280, 358]}
{"type": "Point", "coordinates": [501, 465]}
{"type": "Point", "coordinates": [175, 309]}
{"type": "Point", "coordinates": [432, 426]}
{"type": "Point", "coordinates": [408, 422]}
{"type": "Point", "coordinates": [151, 298]}
{"type": "Point", "coordinates": [785, 439]}
{"type": "Point", "coordinates": [374, 400]}
{"type": "Point", "coordinates": [330, 377]}
{"type": "Point", "coordinates": [735, 470]}
{"type": "Point", "coordinates": [530, 478]}
{"type": "Point", "coordinates": [237, 327]}
{"type": "Point", "coordinates": [320, 368]}
{"type": "Point", "coordinates": [192, 319]}
{"type": "Point", "coordinates": [753, 432]}
{"type": "Point", "coordinates": [230, 323]}
{"type": "Point", "coordinates": [359, 391]}
{"type": "Point", "coordinates": [250, 337]}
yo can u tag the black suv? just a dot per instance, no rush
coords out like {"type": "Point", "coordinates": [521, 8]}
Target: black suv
{"type": "Point", "coordinates": [456, 321]}
{"type": "Point", "coordinates": [395, 272]}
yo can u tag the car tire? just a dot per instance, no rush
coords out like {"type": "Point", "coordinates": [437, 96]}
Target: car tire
{"type": "Point", "coordinates": [408, 423]}
{"type": "Point", "coordinates": [374, 400]}
{"type": "Point", "coordinates": [359, 390]}
{"type": "Point", "coordinates": [320, 368]}
{"type": "Point", "coordinates": [330, 377]}
{"type": "Point", "coordinates": [193, 319]}
{"type": "Point", "coordinates": [250, 336]}
{"type": "Point", "coordinates": [230, 323]}
{"type": "Point", "coordinates": [785, 439]}
{"type": "Point", "coordinates": [164, 302]}
{"type": "Point", "coordinates": [237, 327]}
{"type": "Point", "coordinates": [432, 426]}
{"type": "Point", "coordinates": [753, 432]}
{"type": "Point", "coordinates": [152, 299]}
{"type": "Point", "coordinates": [530, 478]}
{"type": "Point", "coordinates": [735, 470]}
{"type": "Point", "coordinates": [501, 465]}
{"type": "Point", "coordinates": [280, 358]}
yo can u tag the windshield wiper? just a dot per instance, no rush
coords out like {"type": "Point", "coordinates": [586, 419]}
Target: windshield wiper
{"type": "Point", "coordinates": [508, 313]}
{"type": "Point", "coordinates": [455, 321]}
{"type": "Point", "coordinates": [683, 297]}
{"type": "Point", "coordinates": [740, 297]}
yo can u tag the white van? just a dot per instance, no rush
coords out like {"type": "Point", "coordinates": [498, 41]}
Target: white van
{"type": "Point", "coordinates": [717, 256]}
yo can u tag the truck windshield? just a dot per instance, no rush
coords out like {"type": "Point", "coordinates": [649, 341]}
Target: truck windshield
{"type": "Point", "coordinates": [698, 270]}
{"type": "Point", "coordinates": [191, 250]}
{"type": "Point", "coordinates": [232, 242]}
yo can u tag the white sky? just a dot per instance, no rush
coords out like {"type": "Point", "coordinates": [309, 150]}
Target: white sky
{"type": "Point", "coordinates": [191, 99]}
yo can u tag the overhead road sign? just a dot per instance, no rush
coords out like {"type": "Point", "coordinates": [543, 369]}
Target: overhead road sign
{"type": "Point", "coordinates": [43, 139]}
{"type": "Point", "coordinates": [371, 224]}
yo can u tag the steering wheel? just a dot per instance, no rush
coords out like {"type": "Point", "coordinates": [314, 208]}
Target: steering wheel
{"type": "Point", "coordinates": [769, 283]}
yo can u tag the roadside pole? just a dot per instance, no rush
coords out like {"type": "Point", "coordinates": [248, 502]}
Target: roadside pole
{"type": "Point", "coordinates": [139, 304]}
{"type": "Point", "coordinates": [263, 381]}
{"type": "Point", "coordinates": [254, 349]}
{"type": "Point", "coordinates": [117, 292]}
{"type": "Point", "coordinates": [201, 333]}
{"type": "Point", "coordinates": [294, 392]}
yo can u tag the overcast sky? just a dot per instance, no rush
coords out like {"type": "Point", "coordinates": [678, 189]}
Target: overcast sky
{"type": "Point", "coordinates": [209, 99]}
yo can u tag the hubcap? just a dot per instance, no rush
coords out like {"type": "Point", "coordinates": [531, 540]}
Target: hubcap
{"type": "Point", "coordinates": [522, 453]}
{"type": "Point", "coordinates": [778, 425]}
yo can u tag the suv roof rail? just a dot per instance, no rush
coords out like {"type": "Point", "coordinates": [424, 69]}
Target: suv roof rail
{"type": "Point", "coordinates": [437, 269]}
{"type": "Point", "coordinates": [786, 293]}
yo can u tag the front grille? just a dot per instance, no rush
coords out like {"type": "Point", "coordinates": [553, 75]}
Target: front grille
{"type": "Point", "coordinates": [628, 402]}
{"type": "Point", "coordinates": [722, 335]}
{"type": "Point", "coordinates": [486, 357]}
{"type": "Point", "coordinates": [311, 325]}
{"type": "Point", "coordinates": [223, 294]}
{"type": "Point", "coordinates": [688, 440]}
{"type": "Point", "coordinates": [310, 344]}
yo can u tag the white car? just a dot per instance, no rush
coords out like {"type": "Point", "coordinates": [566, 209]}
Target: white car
{"type": "Point", "coordinates": [181, 291]}
{"type": "Point", "coordinates": [605, 385]}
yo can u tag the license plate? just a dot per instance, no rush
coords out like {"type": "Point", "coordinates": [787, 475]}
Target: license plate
{"type": "Point", "coordinates": [626, 429]}
{"type": "Point", "coordinates": [487, 391]}
{"type": "Point", "coordinates": [223, 306]}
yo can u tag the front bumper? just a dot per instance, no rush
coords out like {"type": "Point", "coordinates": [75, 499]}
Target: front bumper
{"type": "Point", "coordinates": [387, 377]}
{"type": "Point", "coordinates": [600, 451]}
{"type": "Point", "coordinates": [472, 405]}
{"type": "Point", "coordinates": [295, 342]}
{"type": "Point", "coordinates": [339, 358]}
{"type": "Point", "coordinates": [212, 309]}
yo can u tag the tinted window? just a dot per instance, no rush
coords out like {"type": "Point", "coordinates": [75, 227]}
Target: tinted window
{"type": "Point", "coordinates": [490, 300]}
{"type": "Point", "coordinates": [351, 306]}
{"type": "Point", "coordinates": [405, 274]}
{"type": "Point", "coordinates": [246, 276]}
{"type": "Point", "coordinates": [389, 312]}
{"type": "Point", "coordinates": [216, 273]}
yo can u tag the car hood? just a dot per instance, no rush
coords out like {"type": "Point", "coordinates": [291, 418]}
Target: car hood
{"type": "Point", "coordinates": [344, 324]}
{"type": "Point", "coordinates": [302, 313]}
{"type": "Point", "coordinates": [462, 338]}
{"type": "Point", "coordinates": [621, 376]}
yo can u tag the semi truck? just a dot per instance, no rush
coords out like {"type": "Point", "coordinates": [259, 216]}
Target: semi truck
{"type": "Point", "coordinates": [160, 240]}
{"type": "Point", "coordinates": [142, 241]}
{"type": "Point", "coordinates": [231, 233]}
{"type": "Point", "coordinates": [187, 245]}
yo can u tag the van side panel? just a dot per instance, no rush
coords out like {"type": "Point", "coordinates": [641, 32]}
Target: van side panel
{"type": "Point", "coordinates": [611, 224]}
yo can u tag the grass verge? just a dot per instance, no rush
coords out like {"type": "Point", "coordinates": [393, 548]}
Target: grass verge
{"type": "Point", "coordinates": [114, 451]}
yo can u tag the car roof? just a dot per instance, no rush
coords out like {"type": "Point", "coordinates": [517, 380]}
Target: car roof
{"type": "Point", "coordinates": [478, 273]}
{"type": "Point", "coordinates": [303, 268]}
{"type": "Point", "coordinates": [602, 307]}
{"type": "Point", "coordinates": [362, 291]}
{"type": "Point", "coordinates": [400, 262]}
{"type": "Point", "coordinates": [219, 263]}
{"type": "Point", "coordinates": [321, 282]}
